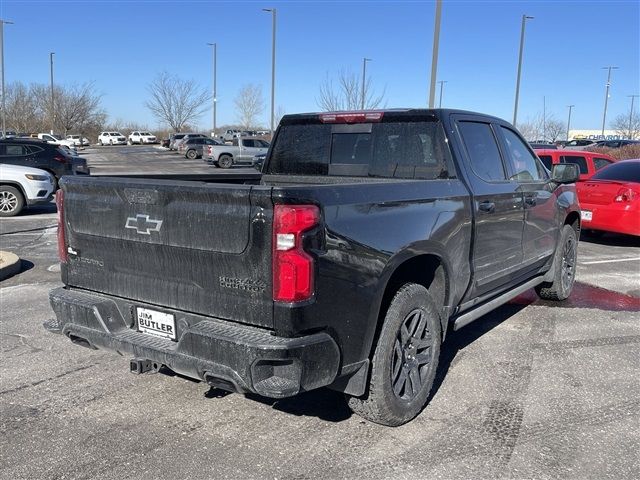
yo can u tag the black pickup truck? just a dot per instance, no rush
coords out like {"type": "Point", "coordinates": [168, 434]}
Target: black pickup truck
{"type": "Point", "coordinates": [366, 237]}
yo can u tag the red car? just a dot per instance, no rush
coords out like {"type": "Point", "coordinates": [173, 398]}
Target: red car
{"type": "Point", "coordinates": [588, 162]}
{"type": "Point", "coordinates": [610, 200]}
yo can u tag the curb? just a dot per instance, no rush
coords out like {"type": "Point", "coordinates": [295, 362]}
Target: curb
{"type": "Point", "coordinates": [10, 264]}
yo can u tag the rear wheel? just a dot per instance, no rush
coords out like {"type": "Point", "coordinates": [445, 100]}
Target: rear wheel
{"type": "Point", "coordinates": [225, 161]}
{"type": "Point", "coordinates": [11, 201]}
{"type": "Point", "coordinates": [192, 154]}
{"type": "Point", "coordinates": [405, 359]}
{"type": "Point", "coordinates": [564, 267]}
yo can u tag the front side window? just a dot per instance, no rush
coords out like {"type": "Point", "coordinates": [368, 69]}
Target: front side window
{"type": "Point", "coordinates": [482, 147]}
{"type": "Point", "coordinates": [578, 160]}
{"type": "Point", "coordinates": [546, 161]}
{"type": "Point", "coordinates": [525, 165]}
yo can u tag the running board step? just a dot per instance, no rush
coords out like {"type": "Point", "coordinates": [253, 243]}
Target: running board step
{"type": "Point", "coordinates": [467, 318]}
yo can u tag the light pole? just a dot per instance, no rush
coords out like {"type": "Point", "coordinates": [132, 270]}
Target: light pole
{"type": "Point", "coordinates": [569, 120]}
{"type": "Point", "coordinates": [273, 63]}
{"type": "Point", "coordinates": [631, 116]}
{"type": "Point", "coordinates": [515, 107]}
{"type": "Point", "coordinates": [215, 95]}
{"type": "Point", "coordinates": [441, 82]}
{"type": "Point", "coordinates": [364, 76]}
{"type": "Point", "coordinates": [606, 95]}
{"type": "Point", "coordinates": [544, 118]}
{"type": "Point", "coordinates": [4, 113]}
{"type": "Point", "coordinates": [434, 55]}
{"type": "Point", "coordinates": [53, 112]}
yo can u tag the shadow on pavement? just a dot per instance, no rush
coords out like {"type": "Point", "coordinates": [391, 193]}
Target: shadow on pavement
{"type": "Point", "coordinates": [610, 239]}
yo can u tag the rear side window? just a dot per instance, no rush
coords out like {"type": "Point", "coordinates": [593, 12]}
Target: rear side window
{"type": "Point", "coordinates": [578, 160]}
{"type": "Point", "coordinates": [546, 161]}
{"type": "Point", "coordinates": [392, 149]}
{"type": "Point", "coordinates": [16, 150]}
{"type": "Point", "coordinates": [599, 163]}
{"type": "Point", "coordinates": [621, 171]}
{"type": "Point", "coordinates": [483, 151]}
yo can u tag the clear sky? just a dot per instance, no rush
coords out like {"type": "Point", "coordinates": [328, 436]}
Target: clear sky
{"type": "Point", "coordinates": [122, 45]}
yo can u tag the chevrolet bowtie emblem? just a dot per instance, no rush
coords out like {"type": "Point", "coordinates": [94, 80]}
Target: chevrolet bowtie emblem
{"type": "Point", "coordinates": [143, 224]}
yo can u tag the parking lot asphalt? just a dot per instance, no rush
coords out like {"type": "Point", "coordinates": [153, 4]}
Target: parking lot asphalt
{"type": "Point", "coordinates": [534, 389]}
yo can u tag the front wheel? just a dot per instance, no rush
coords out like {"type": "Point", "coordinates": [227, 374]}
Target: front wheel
{"type": "Point", "coordinates": [405, 359]}
{"type": "Point", "coordinates": [11, 201]}
{"type": "Point", "coordinates": [564, 267]}
{"type": "Point", "coordinates": [225, 161]}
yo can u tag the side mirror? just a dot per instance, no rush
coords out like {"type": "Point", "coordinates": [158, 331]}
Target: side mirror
{"type": "Point", "coordinates": [565, 173]}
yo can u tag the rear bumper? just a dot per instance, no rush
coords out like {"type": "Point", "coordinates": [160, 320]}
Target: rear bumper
{"type": "Point", "coordinates": [615, 219]}
{"type": "Point", "coordinates": [224, 354]}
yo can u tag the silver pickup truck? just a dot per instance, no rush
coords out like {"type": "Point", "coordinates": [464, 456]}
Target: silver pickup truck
{"type": "Point", "coordinates": [241, 151]}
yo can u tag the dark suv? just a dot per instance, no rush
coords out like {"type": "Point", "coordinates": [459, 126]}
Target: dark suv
{"type": "Point", "coordinates": [38, 154]}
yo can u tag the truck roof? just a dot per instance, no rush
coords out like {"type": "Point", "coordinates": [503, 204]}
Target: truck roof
{"type": "Point", "coordinates": [422, 112]}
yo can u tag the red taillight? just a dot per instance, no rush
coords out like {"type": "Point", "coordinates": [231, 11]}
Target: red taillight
{"type": "Point", "coordinates": [351, 117]}
{"type": "Point", "coordinates": [209, 149]}
{"type": "Point", "coordinates": [62, 241]}
{"type": "Point", "coordinates": [292, 266]}
{"type": "Point", "coordinates": [625, 195]}
{"type": "Point", "coordinates": [60, 159]}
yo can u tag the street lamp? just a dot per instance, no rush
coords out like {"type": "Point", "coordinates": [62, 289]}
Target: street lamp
{"type": "Point", "coordinates": [364, 76]}
{"type": "Point", "coordinates": [434, 56]}
{"type": "Point", "coordinates": [441, 82]}
{"type": "Point", "coordinates": [606, 95]}
{"type": "Point", "coordinates": [515, 107]}
{"type": "Point", "coordinates": [53, 112]}
{"type": "Point", "coordinates": [215, 97]}
{"type": "Point", "coordinates": [570, 107]}
{"type": "Point", "coordinates": [4, 113]}
{"type": "Point", "coordinates": [273, 63]}
{"type": "Point", "coordinates": [633, 97]}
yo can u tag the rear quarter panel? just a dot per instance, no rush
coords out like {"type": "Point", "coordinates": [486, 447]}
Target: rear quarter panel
{"type": "Point", "coordinates": [369, 230]}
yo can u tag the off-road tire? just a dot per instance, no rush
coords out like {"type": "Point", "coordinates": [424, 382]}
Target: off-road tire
{"type": "Point", "coordinates": [11, 201]}
{"type": "Point", "coordinates": [386, 401]}
{"type": "Point", "coordinates": [564, 267]}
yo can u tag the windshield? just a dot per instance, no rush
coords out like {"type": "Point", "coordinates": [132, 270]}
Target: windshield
{"type": "Point", "coordinates": [628, 171]}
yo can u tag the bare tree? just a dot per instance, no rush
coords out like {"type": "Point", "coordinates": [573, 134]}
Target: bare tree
{"type": "Point", "coordinates": [347, 95]}
{"type": "Point", "coordinates": [176, 102]}
{"type": "Point", "coordinates": [555, 129]}
{"type": "Point", "coordinates": [627, 127]}
{"type": "Point", "coordinates": [22, 109]}
{"type": "Point", "coordinates": [537, 128]}
{"type": "Point", "coordinates": [76, 107]}
{"type": "Point", "coordinates": [250, 104]}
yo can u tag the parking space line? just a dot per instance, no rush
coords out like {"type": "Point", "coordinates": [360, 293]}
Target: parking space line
{"type": "Point", "coordinates": [617, 260]}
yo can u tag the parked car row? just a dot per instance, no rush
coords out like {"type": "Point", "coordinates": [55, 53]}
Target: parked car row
{"type": "Point", "coordinates": [30, 170]}
{"type": "Point", "coordinates": [608, 190]}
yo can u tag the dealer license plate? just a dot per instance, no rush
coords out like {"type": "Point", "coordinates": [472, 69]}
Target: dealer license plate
{"type": "Point", "coordinates": [156, 323]}
{"type": "Point", "coordinates": [586, 215]}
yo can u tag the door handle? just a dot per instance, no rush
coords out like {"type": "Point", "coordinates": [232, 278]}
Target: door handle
{"type": "Point", "coordinates": [487, 207]}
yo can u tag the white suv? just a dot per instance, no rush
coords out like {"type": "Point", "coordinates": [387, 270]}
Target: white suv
{"type": "Point", "coordinates": [112, 138]}
{"type": "Point", "coordinates": [58, 140]}
{"type": "Point", "coordinates": [20, 186]}
{"type": "Point", "coordinates": [141, 137]}
{"type": "Point", "coordinates": [78, 141]}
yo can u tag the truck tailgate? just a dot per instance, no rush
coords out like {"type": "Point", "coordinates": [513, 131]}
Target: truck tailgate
{"type": "Point", "coordinates": [188, 245]}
